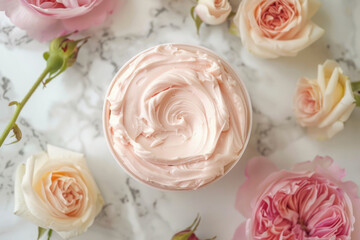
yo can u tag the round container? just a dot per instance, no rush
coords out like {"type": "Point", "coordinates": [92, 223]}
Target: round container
{"type": "Point", "coordinates": [120, 153]}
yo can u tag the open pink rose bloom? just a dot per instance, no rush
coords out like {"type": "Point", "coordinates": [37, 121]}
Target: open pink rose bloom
{"type": "Point", "coordinates": [48, 19]}
{"type": "Point", "coordinates": [310, 202]}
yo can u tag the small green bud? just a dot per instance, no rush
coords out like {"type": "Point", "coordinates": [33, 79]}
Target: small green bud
{"type": "Point", "coordinates": [54, 63]}
{"type": "Point", "coordinates": [62, 54]}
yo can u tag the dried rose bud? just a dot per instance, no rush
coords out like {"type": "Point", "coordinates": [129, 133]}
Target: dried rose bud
{"type": "Point", "coordinates": [189, 233]}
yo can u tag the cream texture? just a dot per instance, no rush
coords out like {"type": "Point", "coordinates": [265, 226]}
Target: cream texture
{"type": "Point", "coordinates": [178, 117]}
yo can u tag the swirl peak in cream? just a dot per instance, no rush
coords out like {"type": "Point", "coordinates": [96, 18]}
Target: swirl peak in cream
{"type": "Point", "coordinates": [177, 117]}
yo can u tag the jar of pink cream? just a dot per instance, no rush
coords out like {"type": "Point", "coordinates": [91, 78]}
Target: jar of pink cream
{"type": "Point", "coordinates": [177, 117]}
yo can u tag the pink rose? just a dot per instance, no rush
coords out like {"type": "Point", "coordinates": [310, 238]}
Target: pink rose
{"type": "Point", "coordinates": [324, 104]}
{"type": "Point", "coordinates": [47, 19]}
{"type": "Point", "coordinates": [310, 202]}
{"type": "Point", "coordinates": [273, 28]}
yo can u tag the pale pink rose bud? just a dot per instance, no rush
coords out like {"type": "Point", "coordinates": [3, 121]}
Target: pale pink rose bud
{"type": "Point", "coordinates": [213, 12]}
{"type": "Point", "coordinates": [308, 202]}
{"type": "Point", "coordinates": [323, 105]}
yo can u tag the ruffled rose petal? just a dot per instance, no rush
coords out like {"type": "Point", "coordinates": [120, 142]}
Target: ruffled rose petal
{"type": "Point", "coordinates": [270, 48]}
{"type": "Point", "coordinates": [309, 202]}
{"type": "Point", "coordinates": [67, 12]}
{"type": "Point", "coordinates": [257, 170]}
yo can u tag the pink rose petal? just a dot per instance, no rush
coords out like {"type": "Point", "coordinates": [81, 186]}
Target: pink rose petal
{"type": "Point", "coordinates": [240, 233]}
{"type": "Point", "coordinates": [48, 20]}
{"type": "Point", "coordinates": [93, 18]}
{"type": "Point", "coordinates": [250, 189]}
{"type": "Point", "coordinates": [311, 202]}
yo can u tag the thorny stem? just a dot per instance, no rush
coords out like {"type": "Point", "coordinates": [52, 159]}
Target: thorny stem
{"type": "Point", "coordinates": [19, 106]}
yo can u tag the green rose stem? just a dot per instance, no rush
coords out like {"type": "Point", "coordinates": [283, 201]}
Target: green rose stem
{"type": "Point", "coordinates": [356, 89]}
{"type": "Point", "coordinates": [19, 106]}
{"type": "Point", "coordinates": [61, 55]}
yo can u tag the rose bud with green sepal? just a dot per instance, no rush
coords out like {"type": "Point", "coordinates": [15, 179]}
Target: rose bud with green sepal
{"type": "Point", "coordinates": [189, 232]}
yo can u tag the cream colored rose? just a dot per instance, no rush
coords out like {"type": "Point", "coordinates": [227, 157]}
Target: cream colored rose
{"type": "Point", "coordinates": [56, 190]}
{"type": "Point", "coordinates": [273, 28]}
{"type": "Point", "coordinates": [213, 12]}
{"type": "Point", "coordinates": [323, 105]}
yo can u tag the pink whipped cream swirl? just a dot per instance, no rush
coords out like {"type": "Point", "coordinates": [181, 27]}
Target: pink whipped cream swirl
{"type": "Point", "coordinates": [178, 117]}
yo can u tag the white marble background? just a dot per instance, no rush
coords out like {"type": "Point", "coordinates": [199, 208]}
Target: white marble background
{"type": "Point", "coordinates": [68, 114]}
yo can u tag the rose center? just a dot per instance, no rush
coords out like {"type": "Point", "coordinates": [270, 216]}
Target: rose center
{"type": "Point", "coordinates": [310, 208]}
{"type": "Point", "coordinates": [311, 104]}
{"type": "Point", "coordinates": [71, 194]}
{"type": "Point", "coordinates": [303, 226]}
{"type": "Point", "coordinates": [68, 194]}
{"type": "Point", "coordinates": [218, 3]}
{"type": "Point", "coordinates": [64, 192]}
{"type": "Point", "coordinates": [275, 15]}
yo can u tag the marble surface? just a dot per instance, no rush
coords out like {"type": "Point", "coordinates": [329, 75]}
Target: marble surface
{"type": "Point", "coordinates": [68, 114]}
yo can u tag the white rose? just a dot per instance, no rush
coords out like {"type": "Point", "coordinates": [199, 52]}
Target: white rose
{"type": "Point", "coordinates": [56, 190]}
{"type": "Point", "coordinates": [273, 28]}
{"type": "Point", "coordinates": [323, 105]}
{"type": "Point", "coordinates": [213, 12]}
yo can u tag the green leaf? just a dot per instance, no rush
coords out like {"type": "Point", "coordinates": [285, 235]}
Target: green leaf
{"type": "Point", "coordinates": [17, 134]}
{"type": "Point", "coordinates": [196, 19]}
{"type": "Point", "coordinates": [41, 232]}
{"type": "Point", "coordinates": [231, 15]}
{"type": "Point", "coordinates": [13, 103]}
{"type": "Point", "coordinates": [357, 98]}
{"type": "Point", "coordinates": [355, 86]}
{"type": "Point", "coordinates": [356, 89]}
{"type": "Point", "coordinates": [234, 30]}
{"type": "Point", "coordinates": [49, 234]}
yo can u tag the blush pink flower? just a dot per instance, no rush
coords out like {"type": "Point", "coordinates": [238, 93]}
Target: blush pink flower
{"type": "Point", "coordinates": [274, 28]}
{"type": "Point", "coordinates": [47, 19]}
{"type": "Point", "coordinates": [310, 202]}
